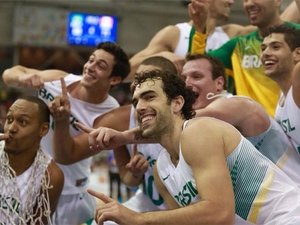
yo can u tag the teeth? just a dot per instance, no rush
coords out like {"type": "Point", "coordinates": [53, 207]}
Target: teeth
{"type": "Point", "coordinates": [267, 62]}
{"type": "Point", "coordinates": [146, 118]}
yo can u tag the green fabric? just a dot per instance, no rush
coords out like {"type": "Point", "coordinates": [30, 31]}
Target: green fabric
{"type": "Point", "coordinates": [192, 32]}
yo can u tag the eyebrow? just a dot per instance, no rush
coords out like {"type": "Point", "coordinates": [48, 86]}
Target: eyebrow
{"type": "Point", "coordinates": [99, 60]}
{"type": "Point", "coordinates": [9, 112]}
{"type": "Point", "coordinates": [141, 95]}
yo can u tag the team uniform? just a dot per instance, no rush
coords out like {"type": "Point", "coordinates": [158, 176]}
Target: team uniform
{"type": "Point", "coordinates": [75, 205]}
{"type": "Point", "coordinates": [20, 194]}
{"type": "Point", "coordinates": [149, 198]}
{"type": "Point", "coordinates": [263, 193]}
{"type": "Point", "coordinates": [214, 41]}
{"type": "Point", "coordinates": [288, 115]}
{"type": "Point", "coordinates": [275, 145]}
{"type": "Point", "coordinates": [241, 57]}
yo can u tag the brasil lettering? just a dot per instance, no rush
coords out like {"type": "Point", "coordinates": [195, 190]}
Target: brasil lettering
{"type": "Point", "coordinates": [185, 196]}
{"type": "Point", "coordinates": [251, 61]}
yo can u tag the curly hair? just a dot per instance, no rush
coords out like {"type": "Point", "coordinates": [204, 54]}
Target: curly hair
{"type": "Point", "coordinates": [122, 65]}
{"type": "Point", "coordinates": [173, 86]}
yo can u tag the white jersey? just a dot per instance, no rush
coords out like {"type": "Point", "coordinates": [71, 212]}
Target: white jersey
{"type": "Point", "coordinates": [214, 41]}
{"type": "Point", "coordinates": [20, 194]}
{"type": "Point", "coordinates": [275, 145]}
{"type": "Point", "coordinates": [263, 193]}
{"type": "Point", "coordinates": [151, 153]}
{"type": "Point", "coordinates": [288, 115]}
{"type": "Point", "coordinates": [76, 174]}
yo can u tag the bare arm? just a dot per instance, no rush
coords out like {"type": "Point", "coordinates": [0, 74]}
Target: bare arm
{"type": "Point", "coordinates": [57, 181]}
{"type": "Point", "coordinates": [296, 84]}
{"type": "Point", "coordinates": [245, 114]}
{"type": "Point", "coordinates": [206, 156]}
{"type": "Point", "coordinates": [165, 40]}
{"type": "Point", "coordinates": [20, 76]}
{"type": "Point", "coordinates": [291, 13]}
{"type": "Point", "coordinates": [68, 149]}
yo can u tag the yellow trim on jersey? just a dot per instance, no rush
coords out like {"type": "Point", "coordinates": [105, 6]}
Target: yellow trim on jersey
{"type": "Point", "coordinates": [229, 72]}
{"type": "Point", "coordinates": [261, 196]}
{"type": "Point", "coordinates": [199, 43]}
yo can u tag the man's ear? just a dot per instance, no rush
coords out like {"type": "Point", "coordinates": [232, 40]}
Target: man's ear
{"type": "Point", "coordinates": [44, 129]}
{"type": "Point", "coordinates": [297, 55]}
{"type": "Point", "coordinates": [177, 104]}
{"type": "Point", "coordinates": [115, 80]}
{"type": "Point", "coordinates": [220, 81]}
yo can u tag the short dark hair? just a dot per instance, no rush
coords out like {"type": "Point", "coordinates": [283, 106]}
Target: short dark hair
{"type": "Point", "coordinates": [173, 86]}
{"type": "Point", "coordinates": [43, 110]}
{"type": "Point", "coordinates": [122, 65]}
{"type": "Point", "coordinates": [291, 35]}
{"type": "Point", "coordinates": [218, 69]}
{"type": "Point", "coordinates": [161, 62]}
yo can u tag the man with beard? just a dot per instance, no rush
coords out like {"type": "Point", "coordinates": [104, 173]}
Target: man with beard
{"type": "Point", "coordinates": [207, 171]}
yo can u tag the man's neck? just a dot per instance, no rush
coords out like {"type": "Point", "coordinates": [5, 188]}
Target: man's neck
{"type": "Point", "coordinates": [285, 83]}
{"type": "Point", "coordinates": [171, 140]}
{"type": "Point", "coordinates": [21, 162]}
{"type": "Point", "coordinates": [263, 30]}
{"type": "Point", "coordinates": [211, 24]}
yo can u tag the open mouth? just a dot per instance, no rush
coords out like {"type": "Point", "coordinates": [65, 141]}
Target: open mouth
{"type": "Point", "coordinates": [268, 64]}
{"type": "Point", "coordinates": [90, 76]}
{"type": "Point", "coordinates": [253, 13]}
{"type": "Point", "coordinates": [146, 120]}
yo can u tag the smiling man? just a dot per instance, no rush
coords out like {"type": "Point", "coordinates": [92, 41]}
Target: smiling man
{"type": "Point", "coordinates": [208, 170]}
{"type": "Point", "coordinates": [89, 98]}
{"type": "Point", "coordinates": [241, 55]}
{"type": "Point", "coordinates": [281, 61]}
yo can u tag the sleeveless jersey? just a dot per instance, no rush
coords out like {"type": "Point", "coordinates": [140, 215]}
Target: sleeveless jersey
{"type": "Point", "coordinates": [241, 57]}
{"type": "Point", "coordinates": [275, 145]}
{"type": "Point", "coordinates": [263, 193]}
{"type": "Point", "coordinates": [288, 115]}
{"type": "Point", "coordinates": [76, 174]}
{"type": "Point", "coordinates": [28, 186]}
{"type": "Point", "coordinates": [214, 41]}
{"type": "Point", "coordinates": [151, 153]}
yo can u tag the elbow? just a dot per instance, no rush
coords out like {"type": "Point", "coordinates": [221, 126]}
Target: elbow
{"type": "Point", "coordinates": [5, 76]}
{"type": "Point", "coordinates": [226, 217]}
{"type": "Point", "coordinates": [63, 160]}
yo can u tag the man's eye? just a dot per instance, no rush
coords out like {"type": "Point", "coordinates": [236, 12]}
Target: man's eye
{"type": "Point", "coordinates": [23, 122]}
{"type": "Point", "coordinates": [149, 97]}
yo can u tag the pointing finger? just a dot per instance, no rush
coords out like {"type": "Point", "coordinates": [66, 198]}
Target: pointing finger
{"type": "Point", "coordinates": [99, 195]}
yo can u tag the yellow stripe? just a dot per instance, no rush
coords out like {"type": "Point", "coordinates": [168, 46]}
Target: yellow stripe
{"type": "Point", "coordinates": [259, 201]}
{"type": "Point", "coordinates": [282, 161]}
{"type": "Point", "coordinates": [229, 72]}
